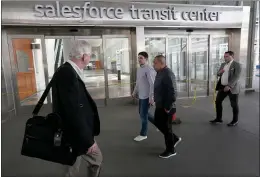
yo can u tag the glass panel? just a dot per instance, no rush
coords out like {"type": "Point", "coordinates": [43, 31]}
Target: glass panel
{"type": "Point", "coordinates": [177, 59]}
{"type": "Point", "coordinates": [57, 51]}
{"type": "Point", "coordinates": [94, 72]}
{"type": "Point", "coordinates": [30, 73]}
{"type": "Point", "coordinates": [118, 67]}
{"type": "Point", "coordinates": [56, 54]}
{"type": "Point", "coordinates": [199, 65]}
{"type": "Point", "coordinates": [4, 94]}
{"type": "Point", "coordinates": [219, 47]}
{"type": "Point", "coordinates": [155, 46]}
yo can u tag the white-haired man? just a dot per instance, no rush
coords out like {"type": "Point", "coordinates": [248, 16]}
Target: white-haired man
{"type": "Point", "coordinates": [74, 104]}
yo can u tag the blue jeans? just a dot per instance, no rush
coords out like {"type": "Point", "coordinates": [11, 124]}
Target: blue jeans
{"type": "Point", "coordinates": [144, 115]}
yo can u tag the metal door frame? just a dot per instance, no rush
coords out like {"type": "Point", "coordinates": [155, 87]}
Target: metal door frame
{"type": "Point", "coordinates": [104, 38]}
{"type": "Point", "coordinates": [14, 68]}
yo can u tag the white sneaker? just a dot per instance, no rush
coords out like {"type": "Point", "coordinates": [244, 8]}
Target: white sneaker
{"type": "Point", "coordinates": [140, 138]}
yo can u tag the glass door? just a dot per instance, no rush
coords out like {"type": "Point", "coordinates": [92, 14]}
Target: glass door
{"type": "Point", "coordinates": [177, 60]}
{"type": "Point", "coordinates": [219, 45]}
{"type": "Point", "coordinates": [57, 52]}
{"type": "Point", "coordinates": [155, 46]}
{"type": "Point", "coordinates": [187, 56]}
{"type": "Point", "coordinates": [29, 75]}
{"type": "Point", "coordinates": [194, 59]}
{"type": "Point", "coordinates": [94, 72]}
{"type": "Point", "coordinates": [198, 64]}
{"type": "Point", "coordinates": [117, 56]}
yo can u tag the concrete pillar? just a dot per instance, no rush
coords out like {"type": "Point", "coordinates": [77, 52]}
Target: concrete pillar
{"type": "Point", "coordinates": [259, 32]}
{"type": "Point", "coordinates": [251, 40]}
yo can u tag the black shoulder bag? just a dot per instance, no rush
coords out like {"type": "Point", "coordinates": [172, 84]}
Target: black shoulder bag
{"type": "Point", "coordinates": [44, 138]}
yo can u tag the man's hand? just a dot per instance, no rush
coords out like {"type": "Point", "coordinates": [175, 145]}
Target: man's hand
{"type": "Point", "coordinates": [133, 95]}
{"type": "Point", "coordinates": [226, 89]}
{"type": "Point", "coordinates": [151, 101]}
{"type": "Point", "coordinates": [92, 148]}
{"type": "Point", "coordinates": [167, 111]}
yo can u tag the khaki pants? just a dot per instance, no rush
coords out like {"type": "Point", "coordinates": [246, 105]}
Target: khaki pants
{"type": "Point", "coordinates": [92, 161]}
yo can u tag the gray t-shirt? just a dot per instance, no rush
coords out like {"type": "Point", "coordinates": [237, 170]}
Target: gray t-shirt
{"type": "Point", "coordinates": [145, 82]}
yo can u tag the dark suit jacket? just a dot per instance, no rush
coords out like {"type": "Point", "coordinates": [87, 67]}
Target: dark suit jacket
{"type": "Point", "coordinates": [233, 77]}
{"type": "Point", "coordinates": [77, 109]}
{"type": "Point", "coordinates": [165, 89]}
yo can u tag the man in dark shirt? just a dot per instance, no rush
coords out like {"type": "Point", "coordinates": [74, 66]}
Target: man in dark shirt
{"type": "Point", "coordinates": [165, 94]}
{"type": "Point", "coordinates": [78, 110]}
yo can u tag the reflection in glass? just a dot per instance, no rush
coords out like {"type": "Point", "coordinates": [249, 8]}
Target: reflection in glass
{"type": "Point", "coordinates": [30, 74]}
{"type": "Point", "coordinates": [155, 46]}
{"type": "Point", "coordinates": [177, 61]}
{"type": "Point", "coordinates": [199, 65]}
{"type": "Point", "coordinates": [219, 47]}
{"type": "Point", "coordinates": [118, 67]}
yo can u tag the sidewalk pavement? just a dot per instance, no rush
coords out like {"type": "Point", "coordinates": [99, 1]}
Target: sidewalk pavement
{"type": "Point", "coordinates": [206, 150]}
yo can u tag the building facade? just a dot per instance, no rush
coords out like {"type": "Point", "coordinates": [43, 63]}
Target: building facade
{"type": "Point", "coordinates": [192, 37]}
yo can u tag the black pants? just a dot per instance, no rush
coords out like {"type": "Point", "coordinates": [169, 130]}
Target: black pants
{"type": "Point", "coordinates": [233, 101]}
{"type": "Point", "coordinates": [163, 121]}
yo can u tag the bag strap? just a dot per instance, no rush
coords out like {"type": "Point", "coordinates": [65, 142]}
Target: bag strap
{"type": "Point", "coordinates": [43, 97]}
{"type": "Point", "coordinates": [46, 92]}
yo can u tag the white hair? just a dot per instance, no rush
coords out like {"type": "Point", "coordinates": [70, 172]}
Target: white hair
{"type": "Point", "coordinates": [79, 48]}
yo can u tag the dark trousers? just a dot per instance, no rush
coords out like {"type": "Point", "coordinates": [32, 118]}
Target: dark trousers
{"type": "Point", "coordinates": [163, 121]}
{"type": "Point", "coordinates": [233, 101]}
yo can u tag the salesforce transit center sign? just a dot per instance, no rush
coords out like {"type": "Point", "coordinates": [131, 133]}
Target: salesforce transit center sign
{"type": "Point", "coordinates": [132, 12]}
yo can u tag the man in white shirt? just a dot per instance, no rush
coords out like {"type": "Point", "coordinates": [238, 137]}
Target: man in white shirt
{"type": "Point", "coordinates": [144, 90]}
{"type": "Point", "coordinates": [228, 85]}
